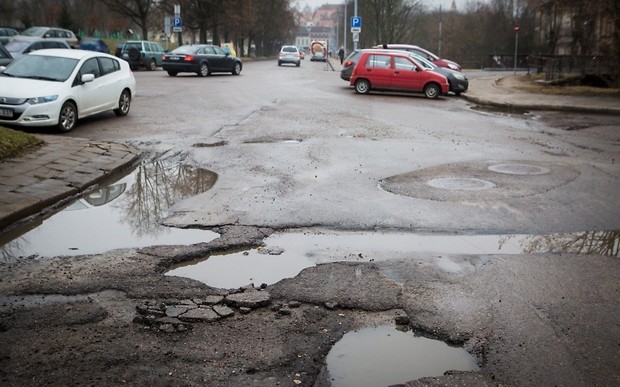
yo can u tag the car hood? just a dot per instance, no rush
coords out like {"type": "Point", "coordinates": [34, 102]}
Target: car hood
{"type": "Point", "coordinates": [27, 88]}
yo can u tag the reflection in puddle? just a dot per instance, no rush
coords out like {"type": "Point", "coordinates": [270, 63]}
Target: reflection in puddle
{"type": "Point", "coordinates": [299, 250]}
{"type": "Point", "coordinates": [384, 356]}
{"type": "Point", "coordinates": [122, 215]}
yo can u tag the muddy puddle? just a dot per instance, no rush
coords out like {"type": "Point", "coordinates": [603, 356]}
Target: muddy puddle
{"type": "Point", "coordinates": [286, 254]}
{"type": "Point", "coordinates": [385, 356]}
{"type": "Point", "coordinates": [124, 214]}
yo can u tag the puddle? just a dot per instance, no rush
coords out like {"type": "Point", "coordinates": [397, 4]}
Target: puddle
{"type": "Point", "coordinates": [299, 250]}
{"type": "Point", "coordinates": [124, 214]}
{"type": "Point", "coordinates": [460, 183]}
{"type": "Point", "coordinates": [519, 169]}
{"type": "Point", "coordinates": [274, 141]}
{"type": "Point", "coordinates": [501, 110]}
{"type": "Point", "coordinates": [385, 356]}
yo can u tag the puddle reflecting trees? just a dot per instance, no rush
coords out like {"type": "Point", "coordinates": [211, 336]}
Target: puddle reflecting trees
{"type": "Point", "coordinates": [158, 185]}
{"type": "Point", "coordinates": [605, 243]}
{"type": "Point", "coordinates": [123, 214]}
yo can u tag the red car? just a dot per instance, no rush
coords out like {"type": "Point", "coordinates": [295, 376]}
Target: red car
{"type": "Point", "coordinates": [397, 71]}
{"type": "Point", "coordinates": [424, 54]}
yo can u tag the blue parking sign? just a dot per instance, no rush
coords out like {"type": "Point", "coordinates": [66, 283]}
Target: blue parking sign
{"type": "Point", "coordinates": [178, 22]}
{"type": "Point", "coordinates": [356, 22]}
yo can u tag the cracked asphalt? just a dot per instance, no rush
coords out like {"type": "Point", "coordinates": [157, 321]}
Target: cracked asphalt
{"type": "Point", "coordinates": [299, 161]}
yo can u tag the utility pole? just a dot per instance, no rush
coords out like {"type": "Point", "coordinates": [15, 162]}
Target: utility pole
{"type": "Point", "coordinates": [440, 32]}
{"type": "Point", "coordinates": [345, 25]}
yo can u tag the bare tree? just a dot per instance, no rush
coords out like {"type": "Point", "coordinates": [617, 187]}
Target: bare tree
{"type": "Point", "coordinates": [136, 10]}
{"type": "Point", "coordinates": [388, 21]}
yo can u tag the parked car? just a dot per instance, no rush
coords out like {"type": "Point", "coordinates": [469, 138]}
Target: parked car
{"type": "Point", "coordinates": [349, 64]}
{"type": "Point", "coordinates": [5, 56]}
{"type": "Point", "coordinates": [23, 45]}
{"type": "Point", "coordinates": [142, 53]}
{"type": "Point", "coordinates": [202, 59]}
{"type": "Point", "coordinates": [302, 54]}
{"type": "Point", "coordinates": [423, 53]}
{"type": "Point", "coordinates": [457, 80]}
{"type": "Point", "coordinates": [94, 44]}
{"type": "Point", "coordinates": [55, 33]}
{"type": "Point", "coordinates": [396, 71]}
{"type": "Point", "coordinates": [290, 55]}
{"type": "Point", "coordinates": [57, 87]}
{"type": "Point", "coordinates": [6, 34]}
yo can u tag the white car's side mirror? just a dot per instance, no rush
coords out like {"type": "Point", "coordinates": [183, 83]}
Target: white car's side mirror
{"type": "Point", "coordinates": [88, 78]}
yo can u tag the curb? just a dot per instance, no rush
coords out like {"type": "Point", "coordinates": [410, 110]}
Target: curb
{"type": "Point", "coordinates": [83, 166]}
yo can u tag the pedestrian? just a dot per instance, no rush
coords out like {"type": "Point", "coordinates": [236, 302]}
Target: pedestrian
{"type": "Point", "coordinates": [341, 55]}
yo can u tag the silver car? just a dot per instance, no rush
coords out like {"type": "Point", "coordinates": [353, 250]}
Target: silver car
{"type": "Point", "coordinates": [289, 54]}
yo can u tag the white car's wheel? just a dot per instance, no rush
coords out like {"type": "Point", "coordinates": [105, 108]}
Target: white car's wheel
{"type": "Point", "coordinates": [67, 119]}
{"type": "Point", "coordinates": [124, 103]}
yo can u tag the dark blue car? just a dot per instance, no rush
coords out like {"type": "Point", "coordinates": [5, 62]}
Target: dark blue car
{"type": "Point", "coordinates": [92, 44]}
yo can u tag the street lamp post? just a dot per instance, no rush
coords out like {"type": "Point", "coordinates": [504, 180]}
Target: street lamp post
{"type": "Point", "coordinates": [517, 28]}
{"type": "Point", "coordinates": [344, 26]}
{"type": "Point", "coordinates": [309, 28]}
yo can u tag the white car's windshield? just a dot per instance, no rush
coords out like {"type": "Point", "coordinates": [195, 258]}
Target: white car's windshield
{"type": "Point", "coordinates": [48, 68]}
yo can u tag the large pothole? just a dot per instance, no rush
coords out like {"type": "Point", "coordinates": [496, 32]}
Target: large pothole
{"type": "Point", "coordinates": [480, 181]}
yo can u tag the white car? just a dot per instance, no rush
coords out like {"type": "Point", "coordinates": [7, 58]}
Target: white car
{"type": "Point", "coordinates": [56, 87]}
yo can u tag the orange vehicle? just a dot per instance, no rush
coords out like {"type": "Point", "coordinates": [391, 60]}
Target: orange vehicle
{"type": "Point", "coordinates": [319, 50]}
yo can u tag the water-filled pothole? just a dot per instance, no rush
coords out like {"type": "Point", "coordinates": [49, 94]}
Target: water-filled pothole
{"type": "Point", "coordinates": [460, 183]}
{"type": "Point", "coordinates": [472, 181]}
{"type": "Point", "coordinates": [385, 356]}
{"type": "Point", "coordinates": [519, 169]}
{"type": "Point", "coordinates": [286, 254]}
{"type": "Point", "coordinates": [124, 214]}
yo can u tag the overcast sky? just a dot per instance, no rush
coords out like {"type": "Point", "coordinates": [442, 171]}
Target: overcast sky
{"type": "Point", "coordinates": [429, 3]}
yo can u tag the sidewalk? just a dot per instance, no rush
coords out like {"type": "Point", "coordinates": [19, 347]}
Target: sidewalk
{"type": "Point", "coordinates": [67, 166]}
{"type": "Point", "coordinates": [63, 168]}
{"type": "Point", "coordinates": [501, 90]}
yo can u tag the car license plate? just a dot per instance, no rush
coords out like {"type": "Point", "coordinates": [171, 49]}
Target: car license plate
{"type": "Point", "coordinates": [175, 57]}
{"type": "Point", "coordinates": [6, 113]}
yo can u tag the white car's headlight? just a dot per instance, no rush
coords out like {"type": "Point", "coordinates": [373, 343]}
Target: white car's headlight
{"type": "Point", "coordinates": [38, 100]}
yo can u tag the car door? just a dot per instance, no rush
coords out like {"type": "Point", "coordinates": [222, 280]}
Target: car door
{"type": "Point", "coordinates": [223, 62]}
{"type": "Point", "coordinates": [209, 53]}
{"type": "Point", "coordinates": [406, 75]}
{"type": "Point", "coordinates": [89, 95]}
{"type": "Point", "coordinates": [159, 53]}
{"type": "Point", "coordinates": [377, 69]}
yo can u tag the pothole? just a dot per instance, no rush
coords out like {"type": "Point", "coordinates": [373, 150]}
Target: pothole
{"type": "Point", "coordinates": [274, 141]}
{"type": "Point", "coordinates": [210, 144]}
{"type": "Point", "coordinates": [124, 214]}
{"type": "Point", "coordinates": [385, 356]}
{"type": "Point", "coordinates": [471, 181]}
{"type": "Point", "coordinates": [519, 169]}
{"type": "Point", "coordinates": [461, 183]}
{"type": "Point", "coordinates": [286, 254]}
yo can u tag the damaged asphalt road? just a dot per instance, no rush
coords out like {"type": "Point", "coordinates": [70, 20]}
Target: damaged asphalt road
{"type": "Point", "coordinates": [528, 319]}
{"type": "Point", "coordinates": [306, 154]}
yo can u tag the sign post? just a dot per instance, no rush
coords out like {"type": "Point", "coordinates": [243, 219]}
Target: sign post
{"type": "Point", "coordinates": [356, 28]}
{"type": "Point", "coordinates": [177, 25]}
{"type": "Point", "coordinates": [167, 29]}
